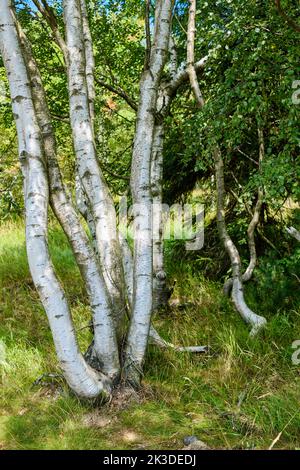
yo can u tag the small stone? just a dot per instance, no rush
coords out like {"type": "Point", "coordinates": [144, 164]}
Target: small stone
{"type": "Point", "coordinates": [189, 440]}
{"type": "Point", "coordinates": [193, 443]}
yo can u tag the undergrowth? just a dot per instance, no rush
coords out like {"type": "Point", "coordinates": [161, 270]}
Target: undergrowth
{"type": "Point", "coordinates": [242, 394]}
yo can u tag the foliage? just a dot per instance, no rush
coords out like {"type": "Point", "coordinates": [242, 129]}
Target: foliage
{"type": "Point", "coordinates": [243, 393]}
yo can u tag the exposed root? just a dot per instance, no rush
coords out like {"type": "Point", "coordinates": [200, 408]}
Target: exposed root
{"type": "Point", "coordinates": [124, 395]}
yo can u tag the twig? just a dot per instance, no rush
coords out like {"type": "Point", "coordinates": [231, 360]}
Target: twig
{"type": "Point", "coordinates": [118, 91]}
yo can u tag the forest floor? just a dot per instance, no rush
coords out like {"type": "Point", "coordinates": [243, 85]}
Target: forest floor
{"type": "Point", "coordinates": [243, 394]}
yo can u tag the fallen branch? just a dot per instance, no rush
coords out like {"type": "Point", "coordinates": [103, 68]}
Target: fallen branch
{"type": "Point", "coordinates": [156, 339]}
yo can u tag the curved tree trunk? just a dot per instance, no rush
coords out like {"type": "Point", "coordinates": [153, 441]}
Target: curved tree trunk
{"type": "Point", "coordinates": [105, 345]}
{"type": "Point", "coordinates": [257, 322]}
{"type": "Point", "coordinates": [82, 379]}
{"type": "Point", "coordinates": [95, 189]}
{"type": "Point", "coordinates": [253, 224]}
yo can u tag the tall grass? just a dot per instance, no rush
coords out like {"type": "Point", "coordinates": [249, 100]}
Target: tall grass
{"type": "Point", "coordinates": [242, 394]}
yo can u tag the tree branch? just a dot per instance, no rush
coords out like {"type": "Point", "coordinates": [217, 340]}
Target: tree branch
{"type": "Point", "coordinates": [293, 232]}
{"type": "Point", "coordinates": [118, 91]}
{"type": "Point", "coordinates": [191, 54]}
{"type": "Point", "coordinates": [295, 26]}
{"type": "Point", "coordinates": [182, 76]}
{"type": "Point", "coordinates": [50, 18]}
{"type": "Point", "coordinates": [148, 35]}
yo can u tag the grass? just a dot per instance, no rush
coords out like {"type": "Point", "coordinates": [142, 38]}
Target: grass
{"type": "Point", "coordinates": [241, 395]}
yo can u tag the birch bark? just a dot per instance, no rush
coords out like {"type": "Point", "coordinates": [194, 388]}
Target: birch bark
{"type": "Point", "coordinates": [256, 321]}
{"type": "Point", "coordinates": [141, 192]}
{"type": "Point", "coordinates": [191, 53]}
{"type": "Point", "coordinates": [96, 191]}
{"type": "Point", "coordinates": [82, 379]}
{"type": "Point", "coordinates": [105, 345]}
{"type": "Point", "coordinates": [159, 275]}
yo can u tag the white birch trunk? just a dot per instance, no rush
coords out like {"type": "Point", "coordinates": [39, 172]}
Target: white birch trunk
{"type": "Point", "coordinates": [105, 344]}
{"type": "Point", "coordinates": [159, 276]}
{"type": "Point", "coordinates": [154, 336]}
{"type": "Point", "coordinates": [256, 321]}
{"type": "Point", "coordinates": [191, 53]}
{"type": "Point", "coordinates": [89, 60]}
{"type": "Point", "coordinates": [141, 192]}
{"type": "Point", "coordinates": [99, 198]}
{"type": "Point", "coordinates": [127, 267]}
{"type": "Point", "coordinates": [83, 380]}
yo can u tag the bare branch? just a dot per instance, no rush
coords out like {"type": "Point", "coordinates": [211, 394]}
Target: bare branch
{"type": "Point", "coordinates": [191, 54]}
{"type": "Point", "coordinates": [118, 91]}
{"type": "Point", "coordinates": [148, 35]}
{"type": "Point", "coordinates": [157, 340]}
{"type": "Point", "coordinates": [60, 118]}
{"type": "Point", "coordinates": [50, 18]}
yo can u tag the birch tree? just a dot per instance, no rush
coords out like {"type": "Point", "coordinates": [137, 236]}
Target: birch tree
{"type": "Point", "coordinates": [236, 283]}
{"type": "Point", "coordinates": [119, 282]}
